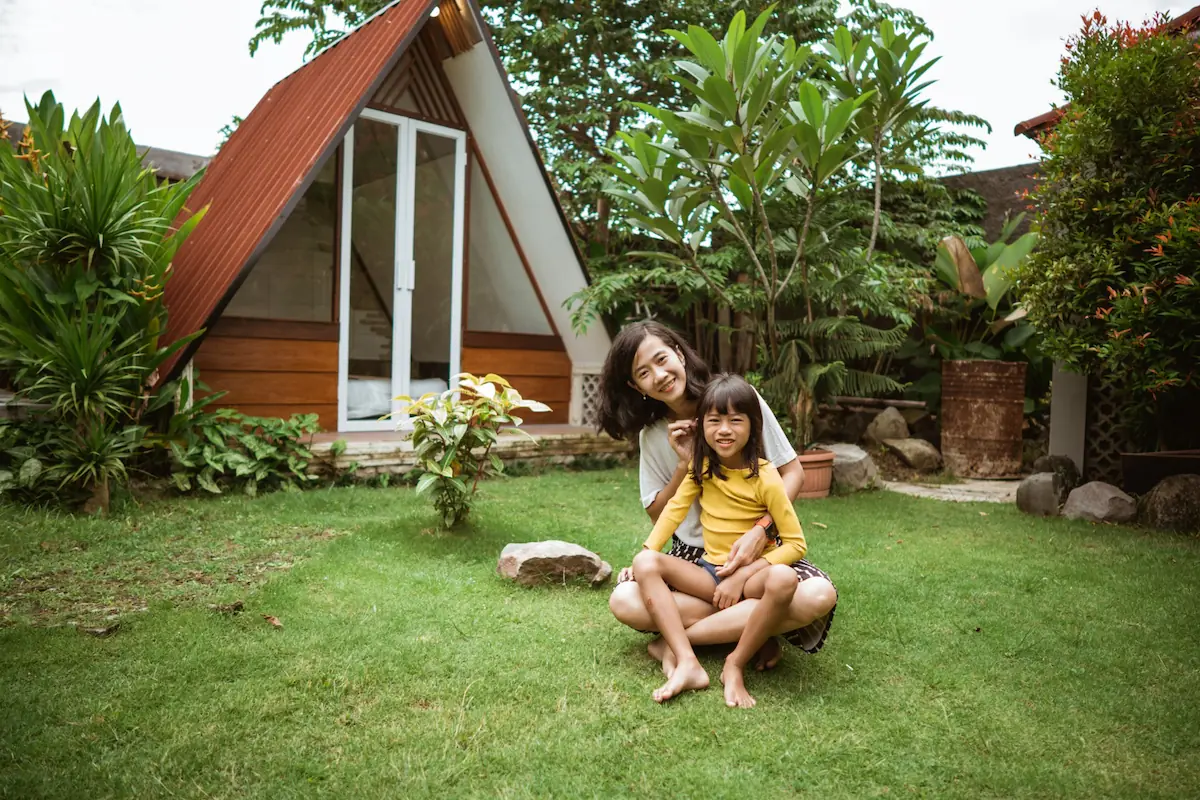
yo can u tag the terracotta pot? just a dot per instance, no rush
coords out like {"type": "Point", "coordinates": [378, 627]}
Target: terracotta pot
{"type": "Point", "coordinates": [818, 473]}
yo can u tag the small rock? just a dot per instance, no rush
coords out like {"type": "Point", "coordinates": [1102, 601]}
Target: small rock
{"type": "Point", "coordinates": [532, 563]}
{"type": "Point", "coordinates": [1174, 504]}
{"type": "Point", "coordinates": [853, 468]}
{"type": "Point", "coordinates": [888, 424]}
{"type": "Point", "coordinates": [1063, 466]}
{"type": "Point", "coordinates": [1099, 502]}
{"type": "Point", "coordinates": [1041, 494]}
{"type": "Point", "coordinates": [917, 453]}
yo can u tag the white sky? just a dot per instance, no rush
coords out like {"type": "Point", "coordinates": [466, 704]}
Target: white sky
{"type": "Point", "coordinates": [181, 68]}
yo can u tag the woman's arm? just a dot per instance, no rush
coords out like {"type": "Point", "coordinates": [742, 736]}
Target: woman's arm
{"type": "Point", "coordinates": [747, 549]}
{"type": "Point", "coordinates": [667, 492]}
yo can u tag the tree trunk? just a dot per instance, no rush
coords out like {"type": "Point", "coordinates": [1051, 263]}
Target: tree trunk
{"type": "Point", "coordinates": [600, 230]}
{"type": "Point", "coordinates": [724, 340]}
{"type": "Point", "coordinates": [878, 161]}
{"type": "Point", "coordinates": [97, 503]}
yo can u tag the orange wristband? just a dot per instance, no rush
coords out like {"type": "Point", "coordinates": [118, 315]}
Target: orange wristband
{"type": "Point", "coordinates": [764, 522]}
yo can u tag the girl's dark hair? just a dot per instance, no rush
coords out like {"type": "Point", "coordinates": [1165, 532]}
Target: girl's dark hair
{"type": "Point", "coordinates": [724, 393]}
{"type": "Point", "coordinates": [623, 410]}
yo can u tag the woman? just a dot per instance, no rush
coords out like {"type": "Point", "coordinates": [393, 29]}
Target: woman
{"type": "Point", "coordinates": [650, 384]}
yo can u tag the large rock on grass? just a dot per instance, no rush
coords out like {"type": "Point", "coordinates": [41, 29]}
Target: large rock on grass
{"type": "Point", "coordinates": [917, 453]}
{"type": "Point", "coordinates": [1063, 466]}
{"type": "Point", "coordinates": [1041, 494]}
{"type": "Point", "coordinates": [1174, 504]}
{"type": "Point", "coordinates": [853, 468]}
{"type": "Point", "coordinates": [1099, 502]}
{"type": "Point", "coordinates": [888, 424]}
{"type": "Point", "coordinates": [533, 563]}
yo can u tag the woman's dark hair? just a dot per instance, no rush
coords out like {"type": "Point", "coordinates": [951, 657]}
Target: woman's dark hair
{"type": "Point", "coordinates": [623, 410]}
{"type": "Point", "coordinates": [723, 394]}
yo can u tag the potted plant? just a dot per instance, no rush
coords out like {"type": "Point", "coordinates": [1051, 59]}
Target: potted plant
{"type": "Point", "coordinates": [984, 342]}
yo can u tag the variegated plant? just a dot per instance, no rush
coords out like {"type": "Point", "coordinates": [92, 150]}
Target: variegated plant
{"type": "Point", "coordinates": [453, 434]}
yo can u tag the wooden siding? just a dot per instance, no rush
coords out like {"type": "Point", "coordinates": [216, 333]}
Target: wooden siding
{"type": "Point", "coordinates": [543, 375]}
{"type": "Point", "coordinates": [267, 374]}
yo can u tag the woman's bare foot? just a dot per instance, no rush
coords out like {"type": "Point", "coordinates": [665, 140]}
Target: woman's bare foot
{"type": "Point", "coordinates": [734, 681]}
{"type": "Point", "coordinates": [688, 676]}
{"type": "Point", "coordinates": [768, 655]}
{"type": "Point", "coordinates": [659, 651]}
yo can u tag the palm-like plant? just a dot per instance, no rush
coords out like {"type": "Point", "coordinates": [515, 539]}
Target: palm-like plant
{"type": "Point", "coordinates": [87, 235]}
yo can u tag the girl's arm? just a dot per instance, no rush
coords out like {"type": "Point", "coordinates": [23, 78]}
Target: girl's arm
{"type": "Point", "coordinates": [773, 494]}
{"type": "Point", "coordinates": [676, 509]}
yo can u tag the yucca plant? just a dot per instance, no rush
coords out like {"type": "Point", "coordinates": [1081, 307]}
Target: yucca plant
{"type": "Point", "coordinates": [87, 235]}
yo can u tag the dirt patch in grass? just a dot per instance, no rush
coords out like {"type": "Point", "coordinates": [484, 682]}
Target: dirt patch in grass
{"type": "Point", "coordinates": [68, 582]}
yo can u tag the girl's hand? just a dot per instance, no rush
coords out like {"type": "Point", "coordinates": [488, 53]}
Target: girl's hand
{"type": "Point", "coordinates": [681, 434]}
{"type": "Point", "coordinates": [729, 592]}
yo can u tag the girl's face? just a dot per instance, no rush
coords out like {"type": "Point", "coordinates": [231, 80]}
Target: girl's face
{"type": "Point", "coordinates": [658, 371]}
{"type": "Point", "coordinates": [727, 433]}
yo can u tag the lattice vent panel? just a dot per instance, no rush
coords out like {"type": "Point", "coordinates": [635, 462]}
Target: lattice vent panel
{"type": "Point", "coordinates": [589, 386]}
{"type": "Point", "coordinates": [1104, 440]}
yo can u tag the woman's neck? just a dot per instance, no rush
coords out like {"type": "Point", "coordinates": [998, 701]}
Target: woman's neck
{"type": "Point", "coordinates": [682, 409]}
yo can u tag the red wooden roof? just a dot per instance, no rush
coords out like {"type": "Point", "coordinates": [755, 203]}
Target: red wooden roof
{"type": "Point", "coordinates": [1031, 127]}
{"type": "Point", "coordinates": [259, 175]}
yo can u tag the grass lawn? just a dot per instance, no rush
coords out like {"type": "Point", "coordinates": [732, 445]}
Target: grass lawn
{"type": "Point", "coordinates": [976, 653]}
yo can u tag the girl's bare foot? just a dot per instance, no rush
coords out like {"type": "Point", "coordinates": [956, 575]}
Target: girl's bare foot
{"type": "Point", "coordinates": [768, 655]}
{"type": "Point", "coordinates": [688, 676]}
{"type": "Point", "coordinates": [734, 680]}
{"type": "Point", "coordinates": [659, 651]}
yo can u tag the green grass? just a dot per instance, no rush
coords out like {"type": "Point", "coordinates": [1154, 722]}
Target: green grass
{"type": "Point", "coordinates": [976, 653]}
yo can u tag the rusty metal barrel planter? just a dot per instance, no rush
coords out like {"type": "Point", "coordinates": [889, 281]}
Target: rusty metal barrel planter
{"type": "Point", "coordinates": [983, 409]}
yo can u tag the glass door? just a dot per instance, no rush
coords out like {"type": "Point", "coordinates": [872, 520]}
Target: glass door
{"type": "Point", "coordinates": [403, 195]}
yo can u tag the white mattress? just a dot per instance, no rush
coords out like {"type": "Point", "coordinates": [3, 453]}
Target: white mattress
{"type": "Point", "coordinates": [371, 398]}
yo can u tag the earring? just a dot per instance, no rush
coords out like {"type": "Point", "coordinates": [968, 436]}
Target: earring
{"type": "Point", "coordinates": [644, 397]}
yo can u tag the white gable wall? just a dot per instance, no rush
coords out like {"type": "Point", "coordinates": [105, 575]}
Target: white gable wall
{"type": "Point", "coordinates": [482, 93]}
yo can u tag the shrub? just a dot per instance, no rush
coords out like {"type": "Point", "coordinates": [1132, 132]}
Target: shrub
{"type": "Point", "coordinates": [1115, 284]}
{"type": "Point", "coordinates": [453, 434]}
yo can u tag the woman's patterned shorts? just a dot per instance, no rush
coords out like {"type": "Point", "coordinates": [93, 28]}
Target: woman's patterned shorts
{"type": "Point", "coordinates": [811, 637]}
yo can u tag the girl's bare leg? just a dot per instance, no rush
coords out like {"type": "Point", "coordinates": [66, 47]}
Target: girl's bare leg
{"type": "Point", "coordinates": [774, 587]}
{"type": "Point", "coordinates": [657, 573]}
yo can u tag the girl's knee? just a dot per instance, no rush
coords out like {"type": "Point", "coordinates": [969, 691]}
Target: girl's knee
{"type": "Point", "coordinates": [781, 581]}
{"type": "Point", "coordinates": [647, 561]}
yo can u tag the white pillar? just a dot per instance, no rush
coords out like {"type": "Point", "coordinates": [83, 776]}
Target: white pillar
{"type": "Point", "coordinates": [1068, 414]}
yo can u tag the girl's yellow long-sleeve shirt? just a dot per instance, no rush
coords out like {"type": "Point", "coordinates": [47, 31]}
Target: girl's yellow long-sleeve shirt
{"type": "Point", "coordinates": [729, 508]}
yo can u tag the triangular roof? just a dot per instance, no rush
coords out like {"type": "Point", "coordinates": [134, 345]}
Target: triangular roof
{"type": "Point", "coordinates": [257, 178]}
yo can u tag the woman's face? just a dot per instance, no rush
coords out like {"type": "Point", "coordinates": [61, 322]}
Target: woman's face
{"type": "Point", "coordinates": [658, 371]}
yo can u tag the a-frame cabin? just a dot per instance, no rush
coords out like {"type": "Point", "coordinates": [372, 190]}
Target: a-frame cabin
{"type": "Point", "coordinates": [381, 221]}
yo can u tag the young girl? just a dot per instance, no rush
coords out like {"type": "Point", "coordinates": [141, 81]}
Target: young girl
{"type": "Point", "coordinates": [736, 487]}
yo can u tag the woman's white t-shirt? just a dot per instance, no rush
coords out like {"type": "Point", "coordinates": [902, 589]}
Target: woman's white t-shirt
{"type": "Point", "coordinates": [658, 461]}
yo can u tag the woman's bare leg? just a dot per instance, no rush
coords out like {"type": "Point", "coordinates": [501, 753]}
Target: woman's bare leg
{"type": "Point", "coordinates": [775, 587]}
{"type": "Point", "coordinates": [657, 573]}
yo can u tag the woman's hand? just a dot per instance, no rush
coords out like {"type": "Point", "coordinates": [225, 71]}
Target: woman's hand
{"type": "Point", "coordinates": [681, 434]}
{"type": "Point", "coordinates": [746, 550]}
{"type": "Point", "coordinates": [626, 574]}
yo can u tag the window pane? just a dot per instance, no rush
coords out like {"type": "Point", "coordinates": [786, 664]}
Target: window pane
{"type": "Point", "coordinates": [500, 296]}
{"type": "Point", "coordinates": [294, 277]}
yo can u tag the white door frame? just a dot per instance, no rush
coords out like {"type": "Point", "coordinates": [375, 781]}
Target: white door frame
{"type": "Point", "coordinates": [404, 270]}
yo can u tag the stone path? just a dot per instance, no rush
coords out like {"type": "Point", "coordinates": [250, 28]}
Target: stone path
{"type": "Point", "coordinates": [968, 491]}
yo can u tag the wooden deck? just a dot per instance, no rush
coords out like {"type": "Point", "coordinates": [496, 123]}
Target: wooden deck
{"type": "Point", "coordinates": [390, 451]}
